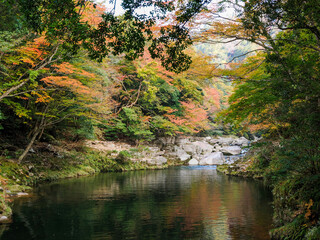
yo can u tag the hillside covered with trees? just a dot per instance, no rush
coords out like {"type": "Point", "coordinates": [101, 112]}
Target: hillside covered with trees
{"type": "Point", "coordinates": [71, 71]}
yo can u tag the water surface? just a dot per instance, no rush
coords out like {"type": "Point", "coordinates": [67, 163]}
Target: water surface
{"type": "Point", "coordinates": [176, 203]}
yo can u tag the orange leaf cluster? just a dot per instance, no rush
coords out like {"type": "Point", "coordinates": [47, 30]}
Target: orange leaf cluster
{"type": "Point", "coordinates": [67, 68]}
{"type": "Point", "coordinates": [34, 51]}
{"type": "Point", "coordinates": [73, 84]}
{"type": "Point", "coordinates": [195, 117]}
{"type": "Point", "coordinates": [92, 14]}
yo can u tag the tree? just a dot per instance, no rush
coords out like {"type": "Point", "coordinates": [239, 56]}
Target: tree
{"type": "Point", "coordinates": [279, 91]}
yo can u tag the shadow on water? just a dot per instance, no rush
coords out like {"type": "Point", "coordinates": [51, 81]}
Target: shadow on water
{"type": "Point", "coordinates": [176, 203]}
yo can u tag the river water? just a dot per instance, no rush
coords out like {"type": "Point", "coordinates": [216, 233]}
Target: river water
{"type": "Point", "coordinates": [176, 203]}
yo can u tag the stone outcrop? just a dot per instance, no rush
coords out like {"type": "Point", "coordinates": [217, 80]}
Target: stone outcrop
{"type": "Point", "coordinates": [193, 162]}
{"type": "Point", "coordinates": [191, 150]}
{"type": "Point", "coordinates": [159, 160]}
{"type": "Point", "coordinates": [215, 158]}
{"type": "Point", "coordinates": [231, 150]}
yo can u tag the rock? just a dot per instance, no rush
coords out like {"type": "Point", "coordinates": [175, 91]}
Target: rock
{"type": "Point", "coordinates": [222, 141]}
{"type": "Point", "coordinates": [159, 160]}
{"type": "Point", "coordinates": [19, 194]}
{"type": "Point", "coordinates": [182, 155]}
{"type": "Point", "coordinates": [190, 148]}
{"type": "Point", "coordinates": [215, 158]}
{"type": "Point", "coordinates": [167, 140]}
{"type": "Point", "coordinates": [231, 150]}
{"type": "Point", "coordinates": [242, 141]}
{"type": "Point", "coordinates": [208, 138]}
{"type": "Point", "coordinates": [203, 147]}
{"type": "Point", "coordinates": [181, 141]}
{"type": "Point", "coordinates": [217, 148]}
{"type": "Point", "coordinates": [193, 162]}
{"type": "Point", "coordinates": [32, 150]}
{"type": "Point", "coordinates": [213, 141]}
{"type": "Point", "coordinates": [231, 159]}
{"type": "Point", "coordinates": [4, 218]}
{"type": "Point", "coordinates": [256, 139]}
{"type": "Point", "coordinates": [198, 148]}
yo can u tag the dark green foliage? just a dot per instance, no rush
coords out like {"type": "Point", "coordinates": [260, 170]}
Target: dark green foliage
{"type": "Point", "coordinates": [281, 96]}
{"type": "Point", "coordinates": [129, 124]}
{"type": "Point", "coordinates": [123, 157]}
{"type": "Point", "coordinates": [126, 34]}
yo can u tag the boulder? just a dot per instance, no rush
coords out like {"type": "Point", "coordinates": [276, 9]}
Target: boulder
{"type": "Point", "coordinates": [242, 141]}
{"type": "Point", "coordinates": [217, 148]}
{"type": "Point", "coordinates": [231, 150]}
{"type": "Point", "coordinates": [215, 158]}
{"type": "Point", "coordinates": [208, 138]}
{"type": "Point", "coordinates": [193, 162]}
{"type": "Point", "coordinates": [181, 141]}
{"type": "Point", "coordinates": [3, 218]}
{"type": "Point", "coordinates": [182, 155]}
{"type": "Point", "coordinates": [203, 147]}
{"type": "Point", "coordinates": [223, 141]}
{"type": "Point", "coordinates": [159, 160]}
{"type": "Point", "coordinates": [19, 194]}
{"type": "Point", "coordinates": [190, 148]}
{"type": "Point", "coordinates": [198, 148]}
{"type": "Point", "coordinates": [167, 140]}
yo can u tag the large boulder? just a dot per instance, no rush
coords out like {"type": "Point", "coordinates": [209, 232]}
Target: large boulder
{"type": "Point", "coordinates": [223, 141]}
{"type": "Point", "coordinates": [242, 141]}
{"type": "Point", "coordinates": [231, 150]}
{"type": "Point", "coordinates": [182, 141]}
{"type": "Point", "coordinates": [182, 155]}
{"type": "Point", "coordinates": [198, 148]}
{"type": "Point", "coordinates": [190, 148]}
{"type": "Point", "coordinates": [203, 147]}
{"type": "Point", "coordinates": [215, 158]}
{"type": "Point", "coordinates": [193, 162]}
{"type": "Point", "coordinates": [159, 160]}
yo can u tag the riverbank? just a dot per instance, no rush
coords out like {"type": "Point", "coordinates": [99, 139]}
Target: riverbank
{"type": "Point", "coordinates": [295, 213]}
{"type": "Point", "coordinates": [17, 180]}
{"type": "Point", "coordinates": [47, 162]}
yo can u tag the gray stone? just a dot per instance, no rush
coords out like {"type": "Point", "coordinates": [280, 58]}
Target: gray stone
{"type": "Point", "coordinates": [22, 194]}
{"type": "Point", "coordinates": [231, 150]}
{"type": "Point", "coordinates": [182, 155]}
{"type": "Point", "coordinates": [193, 162]}
{"type": "Point", "coordinates": [159, 160]}
{"type": "Point", "coordinates": [215, 158]}
{"type": "Point", "coordinates": [203, 147]}
{"type": "Point", "coordinates": [242, 141]}
{"type": "Point", "coordinates": [167, 140]}
{"type": "Point", "coordinates": [208, 138]}
{"type": "Point", "coordinates": [256, 139]}
{"type": "Point", "coordinates": [181, 141]}
{"type": "Point", "coordinates": [217, 148]}
{"type": "Point", "coordinates": [190, 148]}
{"type": "Point", "coordinates": [4, 218]}
{"type": "Point", "coordinates": [198, 148]}
{"type": "Point", "coordinates": [224, 141]}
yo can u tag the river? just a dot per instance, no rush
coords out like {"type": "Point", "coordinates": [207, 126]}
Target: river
{"type": "Point", "coordinates": [176, 203]}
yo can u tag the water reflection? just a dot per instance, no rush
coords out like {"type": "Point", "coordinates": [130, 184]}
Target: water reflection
{"type": "Point", "coordinates": [177, 203]}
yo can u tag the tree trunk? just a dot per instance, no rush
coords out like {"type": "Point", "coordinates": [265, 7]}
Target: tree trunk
{"type": "Point", "coordinates": [24, 154]}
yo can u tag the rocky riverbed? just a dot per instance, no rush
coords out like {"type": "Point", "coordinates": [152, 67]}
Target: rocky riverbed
{"type": "Point", "coordinates": [186, 150]}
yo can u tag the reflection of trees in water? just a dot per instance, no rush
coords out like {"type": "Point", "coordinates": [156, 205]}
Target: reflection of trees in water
{"type": "Point", "coordinates": [254, 216]}
{"type": "Point", "coordinates": [166, 204]}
